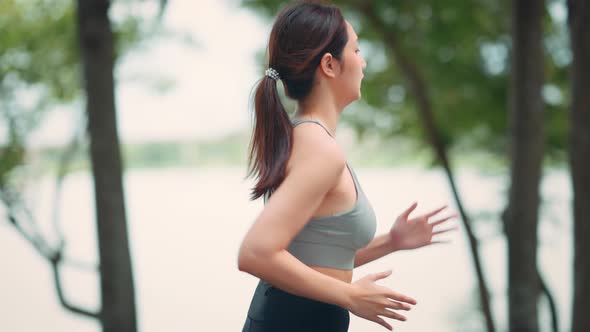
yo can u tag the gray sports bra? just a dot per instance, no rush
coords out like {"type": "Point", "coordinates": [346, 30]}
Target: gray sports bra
{"type": "Point", "coordinates": [332, 241]}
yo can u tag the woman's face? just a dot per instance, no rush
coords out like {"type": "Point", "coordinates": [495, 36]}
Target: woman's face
{"type": "Point", "coordinates": [352, 65]}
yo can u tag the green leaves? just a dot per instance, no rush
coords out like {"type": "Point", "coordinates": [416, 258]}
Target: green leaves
{"type": "Point", "coordinates": [462, 51]}
{"type": "Point", "coordinates": [40, 65]}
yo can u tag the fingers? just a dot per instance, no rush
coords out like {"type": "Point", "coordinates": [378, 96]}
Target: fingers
{"type": "Point", "coordinates": [438, 222]}
{"type": "Point", "coordinates": [393, 315]}
{"type": "Point", "coordinates": [434, 212]}
{"type": "Point", "coordinates": [380, 275]}
{"type": "Point", "coordinates": [381, 321]}
{"type": "Point", "coordinates": [412, 207]}
{"type": "Point", "coordinates": [397, 305]}
{"type": "Point", "coordinates": [394, 301]}
{"type": "Point", "coordinates": [389, 314]}
{"type": "Point", "coordinates": [442, 231]}
{"type": "Point", "coordinates": [401, 298]}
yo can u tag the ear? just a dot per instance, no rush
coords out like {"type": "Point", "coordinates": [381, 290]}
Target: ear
{"type": "Point", "coordinates": [329, 65]}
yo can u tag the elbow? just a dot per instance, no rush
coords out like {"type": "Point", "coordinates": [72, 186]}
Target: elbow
{"type": "Point", "coordinates": [246, 259]}
{"type": "Point", "coordinates": [249, 257]}
{"type": "Point", "coordinates": [243, 260]}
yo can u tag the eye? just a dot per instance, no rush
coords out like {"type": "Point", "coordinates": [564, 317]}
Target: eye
{"type": "Point", "coordinates": [357, 51]}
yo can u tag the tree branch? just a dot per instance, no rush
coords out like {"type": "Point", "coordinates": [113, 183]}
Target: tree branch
{"type": "Point", "coordinates": [418, 88]}
{"type": "Point", "coordinates": [36, 239]}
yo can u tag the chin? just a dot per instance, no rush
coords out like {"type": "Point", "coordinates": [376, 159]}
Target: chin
{"type": "Point", "coordinates": [353, 96]}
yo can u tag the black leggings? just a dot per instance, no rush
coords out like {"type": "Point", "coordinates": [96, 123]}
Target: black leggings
{"type": "Point", "coordinates": [274, 310]}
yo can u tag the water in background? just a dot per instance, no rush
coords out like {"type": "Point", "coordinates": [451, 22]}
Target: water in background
{"type": "Point", "coordinates": [186, 226]}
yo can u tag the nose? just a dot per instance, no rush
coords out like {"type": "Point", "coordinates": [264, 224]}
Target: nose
{"type": "Point", "coordinates": [364, 63]}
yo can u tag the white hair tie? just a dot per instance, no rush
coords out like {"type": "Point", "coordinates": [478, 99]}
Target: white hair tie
{"type": "Point", "coordinates": [272, 74]}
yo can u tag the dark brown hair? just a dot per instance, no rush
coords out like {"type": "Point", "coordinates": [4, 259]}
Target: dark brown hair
{"type": "Point", "coordinates": [302, 33]}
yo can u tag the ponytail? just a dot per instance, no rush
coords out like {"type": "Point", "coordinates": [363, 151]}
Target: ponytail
{"type": "Point", "coordinates": [271, 141]}
{"type": "Point", "coordinates": [300, 36]}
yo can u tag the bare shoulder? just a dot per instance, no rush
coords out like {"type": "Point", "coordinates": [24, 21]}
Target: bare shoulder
{"type": "Point", "coordinates": [314, 148]}
{"type": "Point", "coordinates": [314, 167]}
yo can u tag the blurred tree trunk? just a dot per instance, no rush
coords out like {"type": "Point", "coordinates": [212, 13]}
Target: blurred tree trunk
{"type": "Point", "coordinates": [526, 156]}
{"type": "Point", "coordinates": [579, 24]}
{"type": "Point", "coordinates": [419, 88]}
{"type": "Point", "coordinates": [97, 52]}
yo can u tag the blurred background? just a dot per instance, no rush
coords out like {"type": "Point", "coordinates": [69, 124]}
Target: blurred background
{"type": "Point", "coordinates": [124, 132]}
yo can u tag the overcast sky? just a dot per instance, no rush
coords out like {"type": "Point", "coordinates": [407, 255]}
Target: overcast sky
{"type": "Point", "coordinates": [212, 82]}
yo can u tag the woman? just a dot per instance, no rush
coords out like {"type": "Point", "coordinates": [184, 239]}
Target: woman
{"type": "Point", "coordinates": [317, 224]}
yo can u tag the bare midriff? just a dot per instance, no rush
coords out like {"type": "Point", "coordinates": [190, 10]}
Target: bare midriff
{"type": "Point", "coordinates": [344, 275]}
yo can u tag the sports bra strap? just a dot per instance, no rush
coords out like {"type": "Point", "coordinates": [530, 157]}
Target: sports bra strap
{"type": "Point", "coordinates": [298, 121]}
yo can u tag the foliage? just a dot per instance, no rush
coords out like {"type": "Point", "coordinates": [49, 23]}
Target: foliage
{"type": "Point", "coordinates": [462, 49]}
{"type": "Point", "coordinates": [40, 66]}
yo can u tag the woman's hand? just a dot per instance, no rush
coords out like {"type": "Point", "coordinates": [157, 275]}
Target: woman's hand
{"type": "Point", "coordinates": [417, 232]}
{"type": "Point", "coordinates": [370, 300]}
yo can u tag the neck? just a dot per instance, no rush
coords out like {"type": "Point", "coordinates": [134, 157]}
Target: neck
{"type": "Point", "coordinates": [320, 106]}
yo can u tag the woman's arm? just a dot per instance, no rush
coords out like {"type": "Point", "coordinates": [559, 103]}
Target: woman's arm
{"type": "Point", "coordinates": [315, 166]}
{"type": "Point", "coordinates": [405, 234]}
{"type": "Point", "coordinates": [380, 246]}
